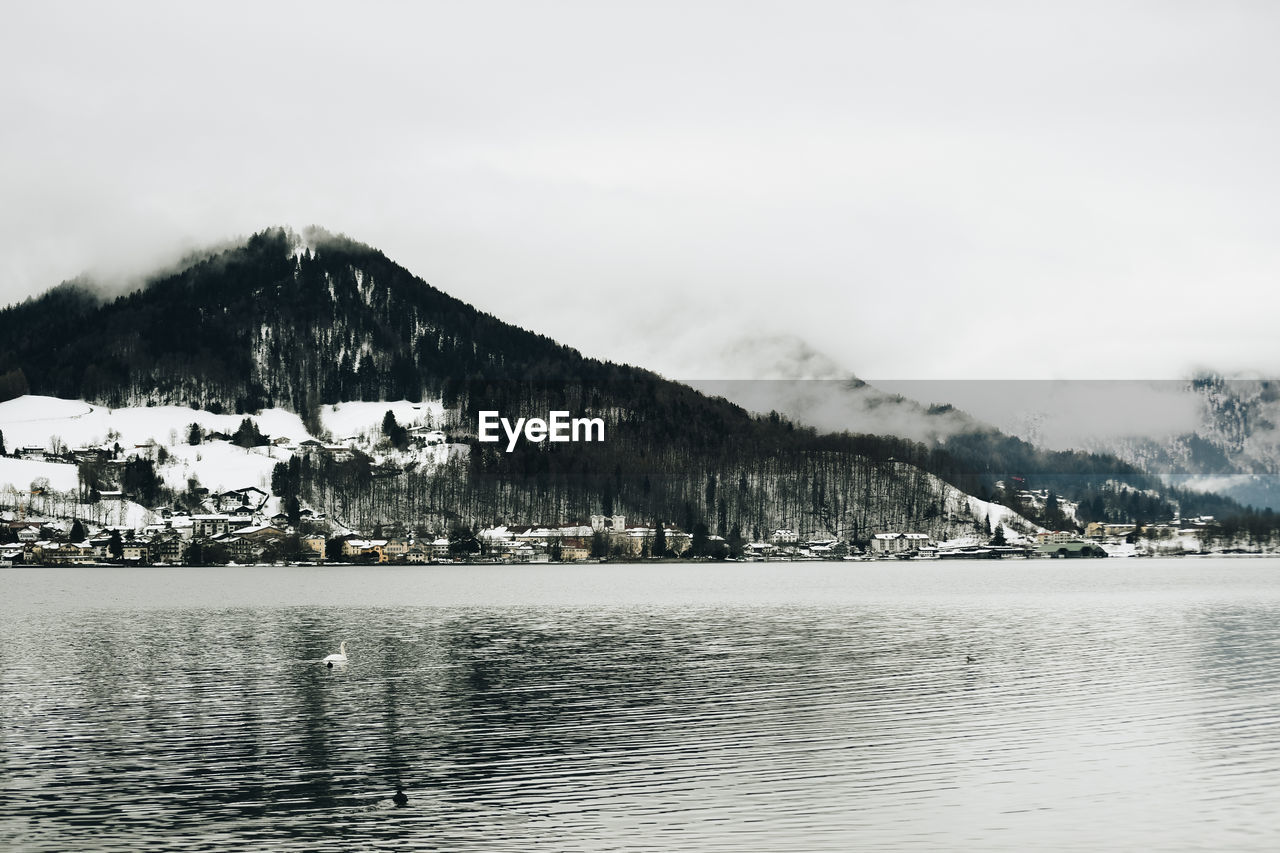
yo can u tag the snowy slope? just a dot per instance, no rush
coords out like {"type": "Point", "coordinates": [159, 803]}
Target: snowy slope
{"type": "Point", "coordinates": [361, 419]}
{"type": "Point", "coordinates": [43, 422]}
{"type": "Point", "coordinates": [35, 421]}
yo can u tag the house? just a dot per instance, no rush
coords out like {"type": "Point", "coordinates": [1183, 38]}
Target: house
{"type": "Point", "coordinates": [240, 549]}
{"type": "Point", "coordinates": [417, 555]}
{"type": "Point", "coordinates": [339, 453]}
{"type": "Point", "coordinates": [136, 551]}
{"type": "Point", "coordinates": [1105, 530]}
{"type": "Point", "coordinates": [395, 550]}
{"type": "Point", "coordinates": [64, 553]}
{"type": "Point", "coordinates": [169, 548]}
{"type": "Point", "coordinates": [101, 546]}
{"type": "Point", "coordinates": [1053, 536]}
{"type": "Point", "coordinates": [635, 541]}
{"type": "Point", "coordinates": [356, 547]}
{"type": "Point", "coordinates": [784, 536]}
{"type": "Point", "coordinates": [897, 543]}
{"type": "Point", "coordinates": [209, 526]}
{"type": "Point", "coordinates": [313, 544]}
{"type": "Point", "coordinates": [427, 435]}
{"type": "Point", "coordinates": [247, 499]}
{"type": "Point", "coordinates": [261, 531]}
{"type": "Point", "coordinates": [608, 523]}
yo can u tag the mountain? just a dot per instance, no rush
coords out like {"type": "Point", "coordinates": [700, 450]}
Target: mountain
{"type": "Point", "coordinates": [1227, 440]}
{"type": "Point", "coordinates": [292, 323]}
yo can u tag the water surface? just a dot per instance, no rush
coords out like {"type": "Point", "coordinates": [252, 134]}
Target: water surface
{"type": "Point", "coordinates": [1119, 704]}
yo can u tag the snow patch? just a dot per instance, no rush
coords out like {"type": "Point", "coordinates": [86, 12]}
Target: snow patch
{"type": "Point", "coordinates": [363, 419]}
{"type": "Point", "coordinates": [33, 421]}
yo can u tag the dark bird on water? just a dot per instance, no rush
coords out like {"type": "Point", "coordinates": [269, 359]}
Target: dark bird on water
{"type": "Point", "coordinates": [970, 659]}
{"type": "Point", "coordinates": [329, 664]}
{"type": "Point", "coordinates": [400, 799]}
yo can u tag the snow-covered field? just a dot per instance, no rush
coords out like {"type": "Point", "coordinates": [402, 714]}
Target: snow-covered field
{"type": "Point", "coordinates": [346, 420]}
{"type": "Point", "coordinates": [46, 422]}
{"type": "Point", "coordinates": [32, 421]}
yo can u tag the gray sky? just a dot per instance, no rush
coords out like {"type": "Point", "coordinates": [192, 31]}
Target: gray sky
{"type": "Point", "coordinates": [916, 190]}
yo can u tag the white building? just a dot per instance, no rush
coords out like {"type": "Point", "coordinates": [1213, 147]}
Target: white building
{"type": "Point", "coordinates": [897, 543]}
{"type": "Point", "coordinates": [784, 536]}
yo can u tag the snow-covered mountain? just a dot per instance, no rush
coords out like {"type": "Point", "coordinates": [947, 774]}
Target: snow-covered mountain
{"type": "Point", "coordinates": [1230, 444]}
{"type": "Point", "coordinates": [290, 331]}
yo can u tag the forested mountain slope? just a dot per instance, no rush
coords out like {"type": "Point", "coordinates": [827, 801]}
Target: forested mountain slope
{"type": "Point", "coordinates": [274, 323]}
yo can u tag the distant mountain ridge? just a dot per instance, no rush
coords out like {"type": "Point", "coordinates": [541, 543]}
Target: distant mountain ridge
{"type": "Point", "coordinates": [1232, 447]}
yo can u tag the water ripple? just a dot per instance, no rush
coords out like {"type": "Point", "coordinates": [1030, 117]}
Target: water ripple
{"type": "Point", "coordinates": [1103, 711]}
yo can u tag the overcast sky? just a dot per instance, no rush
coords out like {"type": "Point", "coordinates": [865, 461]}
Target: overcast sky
{"type": "Point", "coordinates": [915, 190]}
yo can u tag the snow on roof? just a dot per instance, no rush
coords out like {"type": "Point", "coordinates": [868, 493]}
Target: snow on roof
{"type": "Point", "coordinates": [257, 528]}
{"type": "Point", "coordinates": [367, 543]}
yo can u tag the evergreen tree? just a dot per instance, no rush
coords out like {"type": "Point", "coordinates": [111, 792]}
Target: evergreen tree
{"type": "Point", "coordinates": [115, 547]}
{"type": "Point", "coordinates": [280, 480]}
{"type": "Point", "coordinates": [396, 434]}
{"type": "Point", "coordinates": [77, 532]}
{"type": "Point", "coordinates": [462, 542]}
{"type": "Point", "coordinates": [247, 435]}
{"type": "Point", "coordinates": [1053, 516]}
{"type": "Point", "coordinates": [700, 539]}
{"type": "Point", "coordinates": [13, 384]}
{"type": "Point", "coordinates": [599, 544]}
{"type": "Point", "coordinates": [140, 481]}
{"type": "Point", "coordinates": [659, 540]}
{"type": "Point", "coordinates": [736, 543]}
{"type": "Point", "coordinates": [195, 435]}
{"type": "Point", "coordinates": [292, 510]}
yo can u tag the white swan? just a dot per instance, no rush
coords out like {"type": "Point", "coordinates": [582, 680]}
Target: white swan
{"type": "Point", "coordinates": [340, 657]}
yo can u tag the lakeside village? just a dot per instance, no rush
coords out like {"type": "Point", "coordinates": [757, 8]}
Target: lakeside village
{"type": "Point", "coordinates": [243, 534]}
{"type": "Point", "coordinates": [250, 526]}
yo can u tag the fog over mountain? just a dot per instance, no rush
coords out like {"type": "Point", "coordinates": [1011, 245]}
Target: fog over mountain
{"type": "Point", "coordinates": [303, 322]}
{"type": "Point", "coordinates": [1012, 191]}
{"type": "Point", "coordinates": [1205, 432]}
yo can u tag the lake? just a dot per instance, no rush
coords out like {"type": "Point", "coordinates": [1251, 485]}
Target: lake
{"type": "Point", "coordinates": [1111, 704]}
